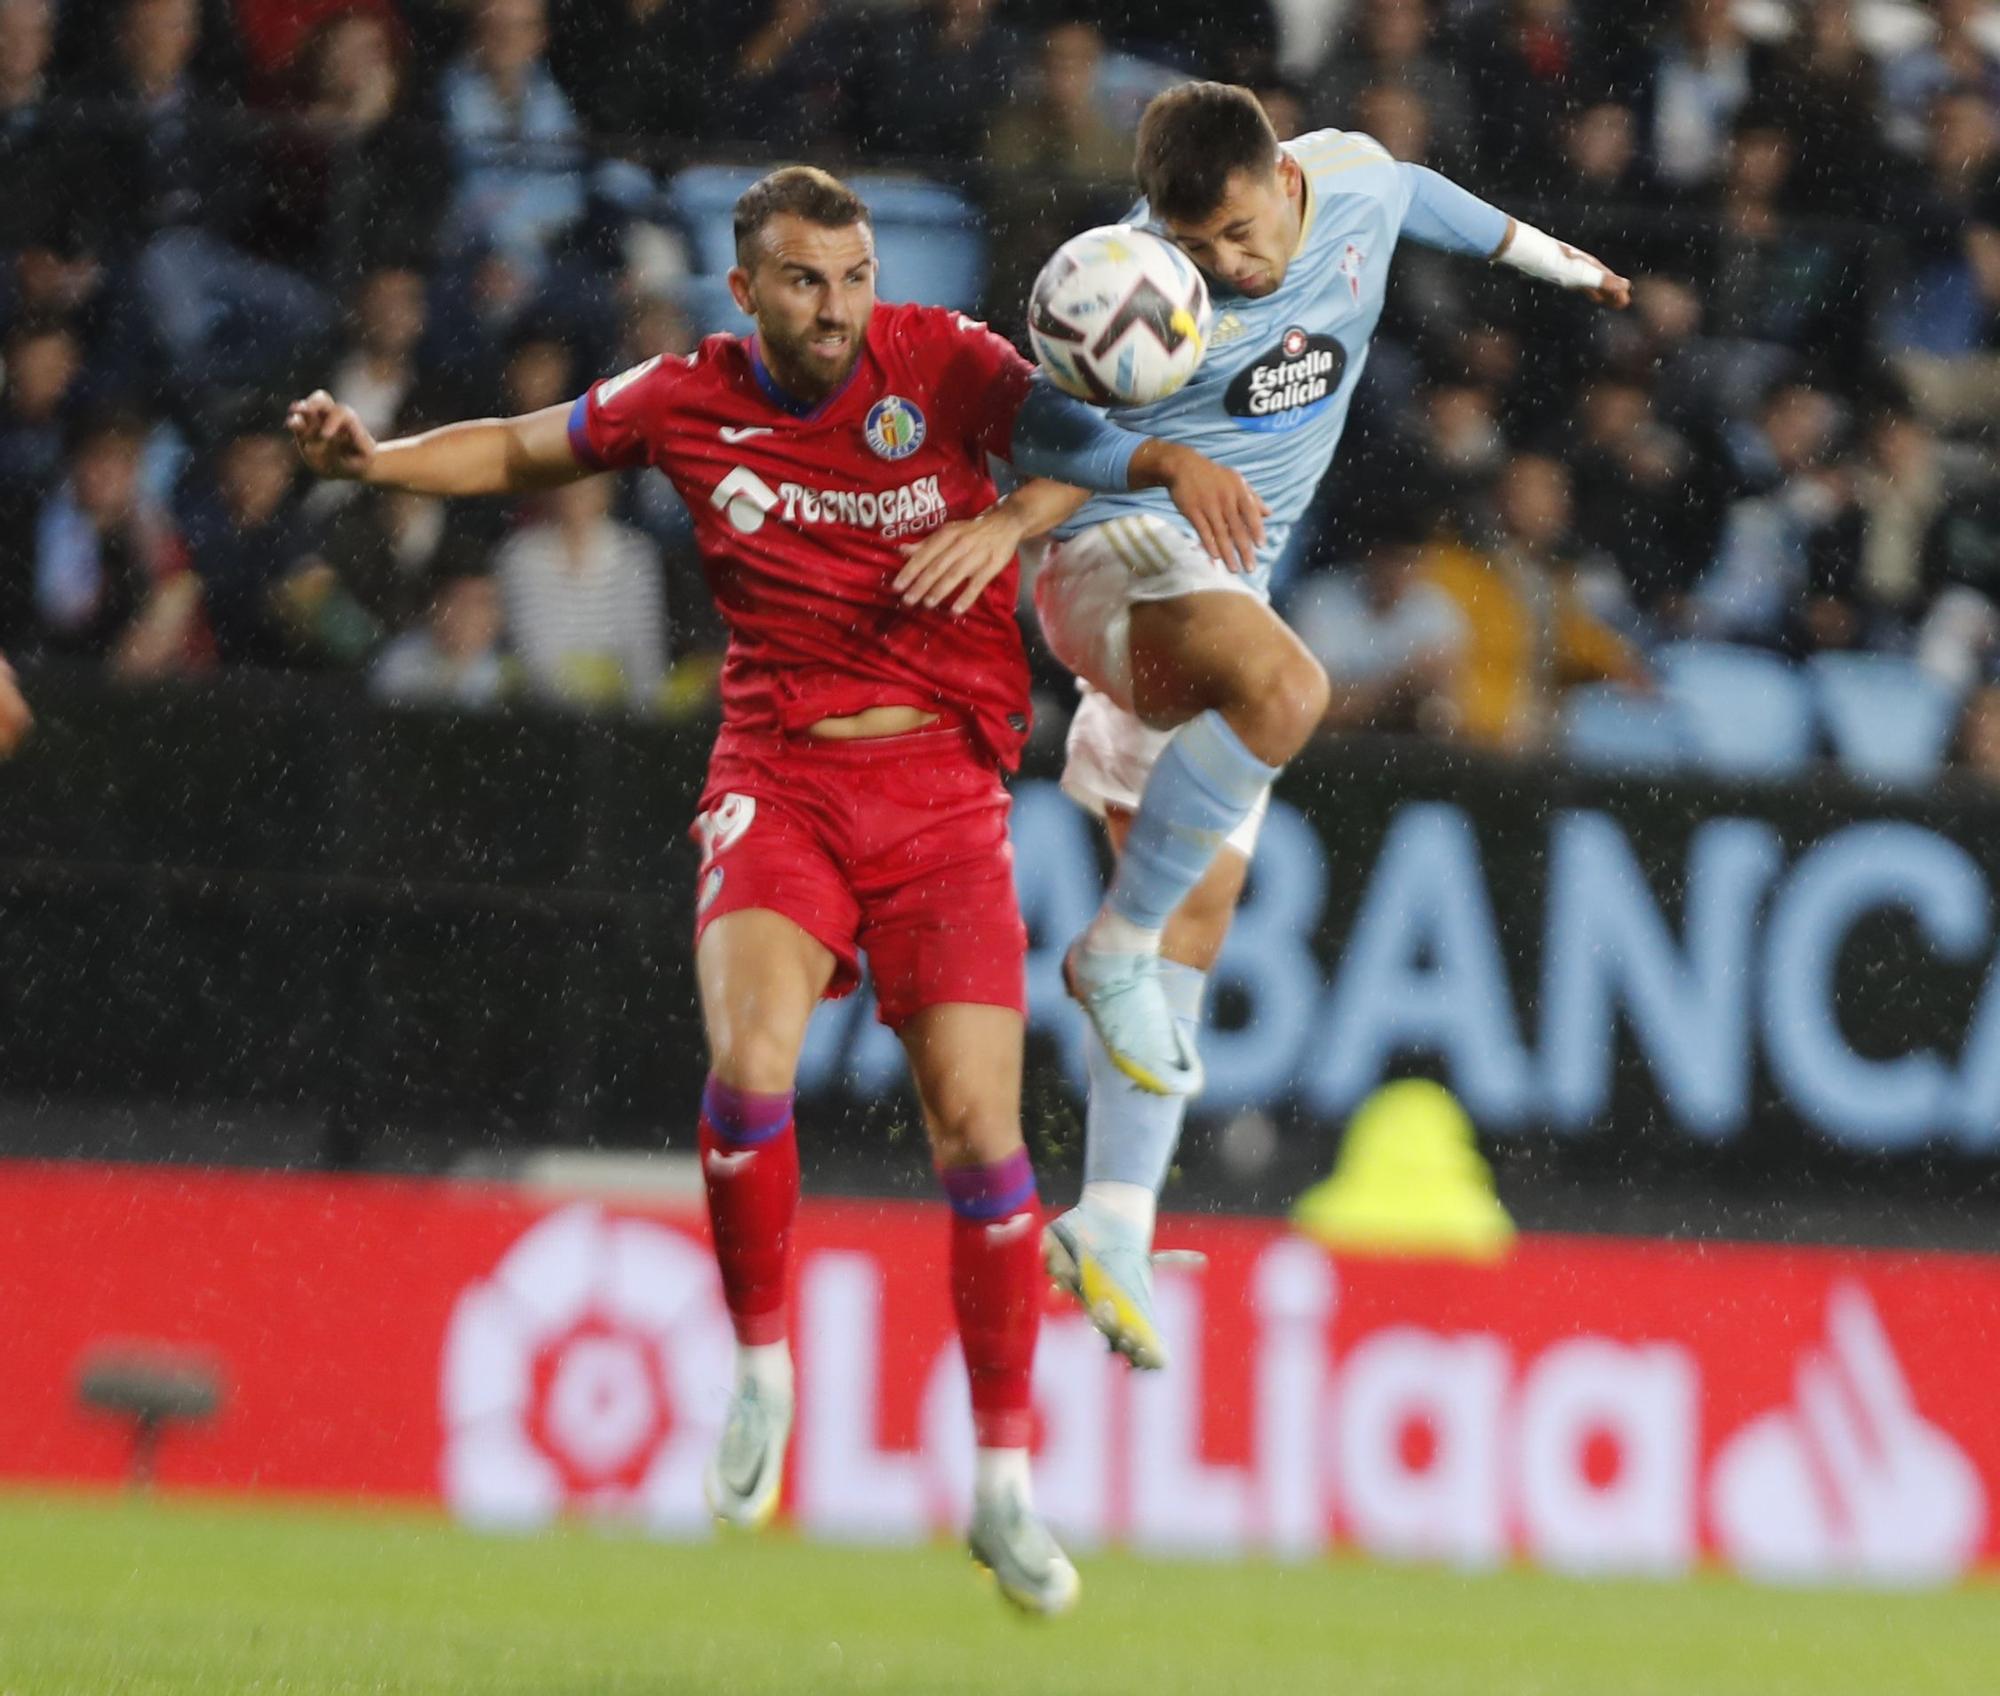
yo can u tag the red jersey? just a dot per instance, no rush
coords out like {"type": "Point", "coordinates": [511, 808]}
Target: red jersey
{"type": "Point", "coordinates": [799, 517]}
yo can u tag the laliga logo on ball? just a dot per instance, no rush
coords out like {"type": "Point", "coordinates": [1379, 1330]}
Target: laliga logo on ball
{"type": "Point", "coordinates": [585, 1373]}
{"type": "Point", "coordinates": [1119, 317]}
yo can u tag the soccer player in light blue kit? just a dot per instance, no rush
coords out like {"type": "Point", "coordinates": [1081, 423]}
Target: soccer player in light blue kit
{"type": "Point", "coordinates": [1196, 693]}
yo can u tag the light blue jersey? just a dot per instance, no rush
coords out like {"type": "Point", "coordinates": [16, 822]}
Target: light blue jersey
{"type": "Point", "coordinates": [1271, 396]}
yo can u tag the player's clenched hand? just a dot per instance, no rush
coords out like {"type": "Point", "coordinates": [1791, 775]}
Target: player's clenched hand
{"type": "Point", "coordinates": [1615, 291]}
{"type": "Point", "coordinates": [14, 715]}
{"type": "Point", "coordinates": [1224, 510]}
{"type": "Point", "coordinates": [958, 559]}
{"type": "Point", "coordinates": [331, 438]}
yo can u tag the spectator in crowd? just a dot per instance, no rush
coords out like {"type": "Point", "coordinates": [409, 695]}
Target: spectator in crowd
{"type": "Point", "coordinates": [1601, 155]}
{"type": "Point", "coordinates": [1885, 559]}
{"type": "Point", "coordinates": [644, 69]}
{"type": "Point", "coordinates": [1826, 85]}
{"type": "Point", "coordinates": [1061, 162]}
{"type": "Point", "coordinates": [1530, 66]}
{"type": "Point", "coordinates": [1770, 581]}
{"type": "Point", "coordinates": [170, 192]}
{"type": "Point", "coordinates": [48, 263]}
{"type": "Point", "coordinates": [1955, 57]}
{"type": "Point", "coordinates": [28, 152]}
{"type": "Point", "coordinates": [1390, 641]}
{"type": "Point", "coordinates": [1940, 320]}
{"type": "Point", "coordinates": [1703, 75]}
{"type": "Point", "coordinates": [585, 614]}
{"type": "Point", "coordinates": [386, 547]}
{"type": "Point", "coordinates": [275, 34]}
{"type": "Point", "coordinates": [1767, 280]}
{"type": "Point", "coordinates": [516, 154]}
{"type": "Point", "coordinates": [1463, 447]}
{"type": "Point", "coordinates": [540, 371]}
{"type": "Point", "coordinates": [1396, 116]}
{"type": "Point", "coordinates": [108, 571]}
{"type": "Point", "coordinates": [376, 373]}
{"type": "Point", "coordinates": [356, 182]}
{"type": "Point", "coordinates": [1063, 129]}
{"type": "Point", "coordinates": [969, 60]}
{"type": "Point", "coordinates": [790, 71]}
{"type": "Point", "coordinates": [1634, 503]}
{"type": "Point", "coordinates": [1526, 604]}
{"type": "Point", "coordinates": [43, 360]}
{"type": "Point", "coordinates": [249, 544]}
{"type": "Point", "coordinates": [1392, 44]}
{"type": "Point", "coordinates": [453, 658]}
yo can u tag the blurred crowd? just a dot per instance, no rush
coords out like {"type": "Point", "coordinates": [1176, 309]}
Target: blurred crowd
{"type": "Point", "coordinates": [438, 208]}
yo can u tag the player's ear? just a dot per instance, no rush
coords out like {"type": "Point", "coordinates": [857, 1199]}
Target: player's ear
{"type": "Point", "coordinates": [739, 290]}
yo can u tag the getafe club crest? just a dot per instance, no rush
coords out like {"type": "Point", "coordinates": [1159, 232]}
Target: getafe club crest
{"type": "Point", "coordinates": [895, 428]}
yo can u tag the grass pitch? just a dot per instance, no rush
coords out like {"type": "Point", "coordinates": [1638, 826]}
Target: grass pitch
{"type": "Point", "coordinates": [103, 1597]}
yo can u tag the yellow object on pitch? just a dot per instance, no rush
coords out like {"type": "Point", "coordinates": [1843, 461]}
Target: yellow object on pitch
{"type": "Point", "coordinates": [1409, 1180]}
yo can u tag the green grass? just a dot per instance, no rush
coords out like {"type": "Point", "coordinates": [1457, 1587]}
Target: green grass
{"type": "Point", "coordinates": [100, 1597]}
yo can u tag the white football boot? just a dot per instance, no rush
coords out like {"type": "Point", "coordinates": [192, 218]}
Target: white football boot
{"type": "Point", "coordinates": [743, 1480]}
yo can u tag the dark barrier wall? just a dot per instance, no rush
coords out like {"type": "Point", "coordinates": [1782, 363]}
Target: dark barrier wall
{"type": "Point", "coordinates": [1668, 1005]}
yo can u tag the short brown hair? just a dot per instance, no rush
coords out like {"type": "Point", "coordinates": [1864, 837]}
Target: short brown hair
{"type": "Point", "coordinates": [1192, 139]}
{"type": "Point", "coordinates": [805, 191]}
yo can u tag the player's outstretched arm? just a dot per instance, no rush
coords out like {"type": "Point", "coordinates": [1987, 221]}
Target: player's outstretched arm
{"type": "Point", "coordinates": [958, 560]}
{"type": "Point", "coordinates": [485, 456]}
{"type": "Point", "coordinates": [1455, 220]}
{"type": "Point", "coordinates": [1058, 437]}
{"type": "Point", "coordinates": [15, 719]}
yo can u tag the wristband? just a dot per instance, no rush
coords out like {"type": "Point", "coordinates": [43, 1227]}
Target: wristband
{"type": "Point", "coordinates": [1543, 256]}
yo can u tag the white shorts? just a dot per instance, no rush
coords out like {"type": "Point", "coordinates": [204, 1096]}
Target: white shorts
{"type": "Point", "coordinates": [1084, 594]}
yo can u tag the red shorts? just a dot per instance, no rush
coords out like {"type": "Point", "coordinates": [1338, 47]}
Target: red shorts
{"type": "Point", "coordinates": [893, 846]}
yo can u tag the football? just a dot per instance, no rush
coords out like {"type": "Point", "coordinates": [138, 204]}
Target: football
{"type": "Point", "coordinates": [1119, 317]}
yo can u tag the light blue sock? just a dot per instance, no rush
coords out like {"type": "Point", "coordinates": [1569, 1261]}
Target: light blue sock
{"type": "Point", "coordinates": [1201, 788]}
{"type": "Point", "coordinates": [1129, 1134]}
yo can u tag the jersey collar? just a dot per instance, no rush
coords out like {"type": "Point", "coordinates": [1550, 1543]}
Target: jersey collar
{"type": "Point", "coordinates": [1308, 204]}
{"type": "Point", "coordinates": [782, 398]}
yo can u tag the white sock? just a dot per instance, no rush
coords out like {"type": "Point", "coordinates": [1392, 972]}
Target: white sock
{"type": "Point", "coordinates": [1130, 1204]}
{"type": "Point", "coordinates": [767, 1365]}
{"type": "Point", "coordinates": [1002, 1472]}
{"type": "Point", "coordinates": [1113, 933]}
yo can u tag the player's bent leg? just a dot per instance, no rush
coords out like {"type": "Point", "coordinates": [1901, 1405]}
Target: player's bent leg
{"type": "Point", "coordinates": [760, 977]}
{"type": "Point", "coordinates": [1246, 695]}
{"type": "Point", "coordinates": [966, 1059]}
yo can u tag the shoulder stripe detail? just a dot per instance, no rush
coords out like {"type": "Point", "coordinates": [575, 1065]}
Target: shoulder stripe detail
{"type": "Point", "coordinates": [1114, 536]}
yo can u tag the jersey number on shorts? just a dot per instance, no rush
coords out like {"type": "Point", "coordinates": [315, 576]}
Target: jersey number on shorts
{"type": "Point", "coordinates": [724, 822]}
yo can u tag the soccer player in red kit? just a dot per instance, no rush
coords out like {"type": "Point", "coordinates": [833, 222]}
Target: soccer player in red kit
{"type": "Point", "coordinates": [854, 801]}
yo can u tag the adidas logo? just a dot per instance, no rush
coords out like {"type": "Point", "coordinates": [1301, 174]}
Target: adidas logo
{"type": "Point", "coordinates": [1228, 328]}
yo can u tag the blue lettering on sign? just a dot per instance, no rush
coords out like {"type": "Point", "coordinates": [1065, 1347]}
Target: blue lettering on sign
{"type": "Point", "coordinates": [1422, 971]}
{"type": "Point", "coordinates": [1866, 1104]}
{"type": "Point", "coordinates": [1607, 949]}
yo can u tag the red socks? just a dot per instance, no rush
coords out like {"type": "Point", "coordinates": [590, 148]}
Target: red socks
{"type": "Point", "coordinates": [750, 1164]}
{"type": "Point", "coordinates": [996, 1290]}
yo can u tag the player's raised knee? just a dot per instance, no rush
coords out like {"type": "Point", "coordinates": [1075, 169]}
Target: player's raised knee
{"type": "Point", "coordinates": [1283, 702]}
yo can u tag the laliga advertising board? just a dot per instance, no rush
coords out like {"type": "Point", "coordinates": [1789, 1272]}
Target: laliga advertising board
{"type": "Point", "coordinates": [1590, 1405]}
